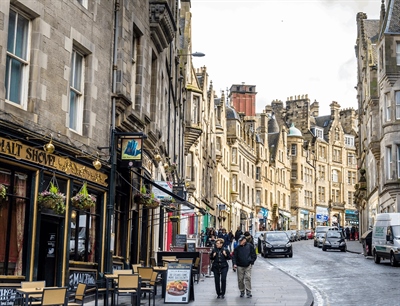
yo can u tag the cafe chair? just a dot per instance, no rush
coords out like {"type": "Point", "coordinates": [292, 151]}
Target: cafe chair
{"type": "Point", "coordinates": [135, 268]}
{"type": "Point", "coordinates": [145, 274]}
{"type": "Point", "coordinates": [101, 288]}
{"type": "Point", "coordinates": [151, 287]}
{"type": "Point", "coordinates": [128, 285]}
{"type": "Point", "coordinates": [34, 284]}
{"type": "Point", "coordinates": [196, 269]}
{"type": "Point", "coordinates": [79, 295]}
{"type": "Point", "coordinates": [52, 296]}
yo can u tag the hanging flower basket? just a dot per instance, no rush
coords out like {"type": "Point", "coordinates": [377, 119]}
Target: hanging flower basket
{"type": "Point", "coordinates": [153, 203]}
{"type": "Point", "coordinates": [174, 218]}
{"type": "Point", "coordinates": [3, 191]}
{"type": "Point", "coordinates": [169, 204]}
{"type": "Point", "coordinates": [52, 199]}
{"type": "Point", "coordinates": [83, 200]}
{"type": "Point", "coordinates": [142, 197]}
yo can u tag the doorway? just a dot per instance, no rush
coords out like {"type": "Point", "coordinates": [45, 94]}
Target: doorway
{"type": "Point", "coordinates": [48, 249]}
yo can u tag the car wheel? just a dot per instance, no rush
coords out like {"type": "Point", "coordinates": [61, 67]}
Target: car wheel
{"type": "Point", "coordinates": [377, 259]}
{"type": "Point", "coordinates": [324, 249]}
{"type": "Point", "coordinates": [290, 255]}
{"type": "Point", "coordinates": [315, 244]}
{"type": "Point", "coordinates": [393, 261]}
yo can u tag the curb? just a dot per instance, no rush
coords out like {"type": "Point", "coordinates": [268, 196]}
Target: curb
{"type": "Point", "coordinates": [310, 296]}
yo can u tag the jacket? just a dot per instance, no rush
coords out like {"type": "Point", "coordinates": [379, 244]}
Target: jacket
{"type": "Point", "coordinates": [220, 261]}
{"type": "Point", "coordinates": [238, 233]}
{"type": "Point", "coordinates": [244, 255]}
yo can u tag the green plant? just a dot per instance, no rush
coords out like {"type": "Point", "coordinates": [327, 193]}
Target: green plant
{"type": "Point", "coordinates": [52, 199]}
{"type": "Point", "coordinates": [3, 191]}
{"type": "Point", "coordinates": [142, 197]}
{"type": "Point", "coordinates": [83, 200]}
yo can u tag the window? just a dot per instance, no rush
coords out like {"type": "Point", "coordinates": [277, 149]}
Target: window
{"type": "Point", "coordinates": [218, 145]}
{"type": "Point", "coordinates": [321, 173]}
{"type": "Point", "coordinates": [322, 152]}
{"type": "Point", "coordinates": [337, 155]}
{"type": "Point", "coordinates": [258, 173]}
{"type": "Point", "coordinates": [350, 197]}
{"type": "Point", "coordinates": [234, 155]}
{"type": "Point", "coordinates": [349, 141]}
{"type": "Point", "coordinates": [335, 195]}
{"type": "Point", "coordinates": [294, 171]}
{"type": "Point", "coordinates": [258, 197]}
{"type": "Point", "coordinates": [398, 54]}
{"type": "Point", "coordinates": [398, 161]}
{"type": "Point", "coordinates": [351, 159]}
{"type": "Point", "coordinates": [234, 182]}
{"type": "Point", "coordinates": [195, 110]}
{"type": "Point", "coordinates": [387, 107]}
{"type": "Point", "coordinates": [76, 92]}
{"type": "Point", "coordinates": [335, 176]}
{"type": "Point", "coordinates": [12, 225]}
{"type": "Point", "coordinates": [84, 3]}
{"type": "Point", "coordinates": [294, 150]}
{"type": "Point", "coordinates": [319, 133]}
{"type": "Point", "coordinates": [189, 166]}
{"type": "Point", "coordinates": [389, 163]}
{"type": "Point", "coordinates": [321, 194]}
{"type": "Point", "coordinates": [397, 105]}
{"type": "Point", "coordinates": [17, 63]}
{"type": "Point", "coordinates": [351, 177]}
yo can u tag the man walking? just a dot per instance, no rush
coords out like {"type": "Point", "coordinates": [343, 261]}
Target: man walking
{"type": "Point", "coordinates": [238, 233]}
{"type": "Point", "coordinates": [243, 259]}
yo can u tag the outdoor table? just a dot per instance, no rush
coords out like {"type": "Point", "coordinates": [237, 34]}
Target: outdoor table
{"type": "Point", "coordinates": [109, 279]}
{"type": "Point", "coordinates": [26, 292]}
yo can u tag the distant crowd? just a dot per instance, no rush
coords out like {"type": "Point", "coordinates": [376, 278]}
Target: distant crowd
{"type": "Point", "coordinates": [209, 237]}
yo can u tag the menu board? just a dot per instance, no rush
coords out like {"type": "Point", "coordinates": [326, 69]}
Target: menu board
{"type": "Point", "coordinates": [180, 240]}
{"type": "Point", "coordinates": [190, 247]}
{"type": "Point", "coordinates": [178, 283]}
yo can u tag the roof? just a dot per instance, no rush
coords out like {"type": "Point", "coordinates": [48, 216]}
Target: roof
{"type": "Point", "coordinates": [231, 113]}
{"type": "Point", "coordinates": [392, 17]}
{"type": "Point", "coordinates": [293, 131]}
{"type": "Point", "coordinates": [273, 126]}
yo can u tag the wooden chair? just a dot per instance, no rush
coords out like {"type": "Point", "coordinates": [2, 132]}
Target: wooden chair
{"type": "Point", "coordinates": [196, 269]}
{"type": "Point", "coordinates": [135, 268]}
{"type": "Point", "coordinates": [128, 285]}
{"type": "Point", "coordinates": [52, 296]}
{"type": "Point", "coordinates": [169, 259]}
{"type": "Point", "coordinates": [185, 260]}
{"type": "Point", "coordinates": [34, 284]}
{"type": "Point", "coordinates": [79, 296]}
{"type": "Point", "coordinates": [151, 288]}
{"type": "Point", "coordinates": [145, 274]}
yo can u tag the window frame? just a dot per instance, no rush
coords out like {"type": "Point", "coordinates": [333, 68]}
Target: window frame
{"type": "Point", "coordinates": [80, 92]}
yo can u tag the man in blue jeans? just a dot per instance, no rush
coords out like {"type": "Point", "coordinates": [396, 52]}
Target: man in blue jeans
{"type": "Point", "coordinates": [243, 259]}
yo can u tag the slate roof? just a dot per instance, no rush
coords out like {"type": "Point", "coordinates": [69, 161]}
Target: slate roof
{"type": "Point", "coordinates": [231, 113]}
{"type": "Point", "coordinates": [273, 126]}
{"type": "Point", "coordinates": [392, 20]}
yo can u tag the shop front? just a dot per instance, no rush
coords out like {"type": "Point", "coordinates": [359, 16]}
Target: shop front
{"type": "Point", "coordinates": [46, 231]}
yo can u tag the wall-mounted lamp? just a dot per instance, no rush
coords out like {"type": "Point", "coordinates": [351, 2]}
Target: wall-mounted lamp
{"type": "Point", "coordinates": [96, 163]}
{"type": "Point", "coordinates": [49, 147]}
{"type": "Point", "coordinates": [195, 54]}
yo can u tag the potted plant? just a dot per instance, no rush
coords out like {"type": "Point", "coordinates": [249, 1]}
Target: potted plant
{"type": "Point", "coordinates": [52, 199]}
{"type": "Point", "coordinates": [83, 200]}
{"type": "Point", "coordinates": [142, 197]}
{"type": "Point", "coordinates": [3, 191]}
{"type": "Point", "coordinates": [169, 204]}
{"type": "Point", "coordinates": [153, 202]}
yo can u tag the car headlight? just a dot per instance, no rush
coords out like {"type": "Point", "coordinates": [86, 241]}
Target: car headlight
{"type": "Point", "coordinates": [267, 245]}
{"type": "Point", "coordinates": [327, 242]}
{"type": "Point", "coordinates": [343, 243]}
{"type": "Point", "coordinates": [288, 245]}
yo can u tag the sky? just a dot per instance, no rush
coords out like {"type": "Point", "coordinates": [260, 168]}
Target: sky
{"type": "Point", "coordinates": [284, 47]}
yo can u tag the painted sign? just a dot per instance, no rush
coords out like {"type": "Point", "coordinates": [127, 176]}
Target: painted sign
{"type": "Point", "coordinates": [80, 276]}
{"type": "Point", "coordinates": [7, 296]}
{"type": "Point", "coordinates": [160, 194]}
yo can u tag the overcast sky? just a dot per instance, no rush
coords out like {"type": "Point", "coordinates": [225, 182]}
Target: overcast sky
{"type": "Point", "coordinates": [284, 47]}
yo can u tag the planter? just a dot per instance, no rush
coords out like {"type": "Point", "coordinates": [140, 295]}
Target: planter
{"type": "Point", "coordinates": [174, 218]}
{"type": "Point", "coordinates": [52, 199]}
{"type": "Point", "coordinates": [3, 192]}
{"type": "Point", "coordinates": [83, 200]}
{"type": "Point", "coordinates": [153, 204]}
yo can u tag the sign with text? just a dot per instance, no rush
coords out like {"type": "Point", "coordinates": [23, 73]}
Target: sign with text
{"type": "Point", "coordinates": [161, 195]}
{"type": "Point", "coordinates": [178, 283]}
{"type": "Point", "coordinates": [81, 276]}
{"type": "Point", "coordinates": [180, 240]}
{"type": "Point", "coordinates": [7, 296]}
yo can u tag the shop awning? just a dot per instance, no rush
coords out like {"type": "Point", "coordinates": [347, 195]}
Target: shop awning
{"type": "Point", "coordinates": [175, 196]}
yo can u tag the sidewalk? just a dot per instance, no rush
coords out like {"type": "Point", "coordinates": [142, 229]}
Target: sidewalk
{"type": "Point", "coordinates": [270, 286]}
{"type": "Point", "coordinates": [354, 246]}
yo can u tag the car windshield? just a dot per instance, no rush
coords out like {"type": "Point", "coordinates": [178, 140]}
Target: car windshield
{"type": "Point", "coordinates": [276, 236]}
{"type": "Point", "coordinates": [396, 231]}
{"type": "Point", "coordinates": [332, 234]}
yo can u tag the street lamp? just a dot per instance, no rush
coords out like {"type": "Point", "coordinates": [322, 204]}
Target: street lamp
{"type": "Point", "coordinates": [195, 54]}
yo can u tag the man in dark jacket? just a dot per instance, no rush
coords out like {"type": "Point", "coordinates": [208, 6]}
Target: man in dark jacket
{"type": "Point", "coordinates": [243, 259]}
{"type": "Point", "coordinates": [238, 233]}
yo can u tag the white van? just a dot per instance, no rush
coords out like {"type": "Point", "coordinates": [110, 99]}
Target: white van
{"type": "Point", "coordinates": [386, 238]}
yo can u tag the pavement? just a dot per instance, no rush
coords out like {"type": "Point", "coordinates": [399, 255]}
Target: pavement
{"type": "Point", "coordinates": [270, 286]}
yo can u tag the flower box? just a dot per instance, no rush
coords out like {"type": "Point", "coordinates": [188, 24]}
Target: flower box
{"type": "Point", "coordinates": [3, 191]}
{"type": "Point", "coordinates": [174, 218]}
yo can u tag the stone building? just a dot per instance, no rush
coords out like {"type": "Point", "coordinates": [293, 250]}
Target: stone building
{"type": "Point", "coordinates": [378, 87]}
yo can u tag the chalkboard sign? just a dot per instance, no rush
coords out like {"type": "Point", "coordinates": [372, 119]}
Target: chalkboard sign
{"type": "Point", "coordinates": [77, 276]}
{"type": "Point", "coordinates": [180, 240]}
{"type": "Point", "coordinates": [179, 284]}
{"type": "Point", "coordinates": [7, 296]}
{"type": "Point", "coordinates": [190, 247]}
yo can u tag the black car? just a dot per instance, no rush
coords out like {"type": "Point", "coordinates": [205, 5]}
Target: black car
{"type": "Point", "coordinates": [276, 243]}
{"type": "Point", "coordinates": [334, 240]}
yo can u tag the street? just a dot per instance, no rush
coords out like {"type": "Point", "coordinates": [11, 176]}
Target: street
{"type": "Point", "coordinates": [337, 278]}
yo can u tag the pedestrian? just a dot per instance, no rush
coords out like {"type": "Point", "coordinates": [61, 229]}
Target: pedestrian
{"type": "Point", "coordinates": [243, 259]}
{"type": "Point", "coordinates": [353, 232]}
{"type": "Point", "coordinates": [224, 235]}
{"type": "Point", "coordinates": [230, 237]}
{"type": "Point", "coordinates": [249, 237]}
{"type": "Point", "coordinates": [347, 233]}
{"type": "Point", "coordinates": [202, 238]}
{"type": "Point", "coordinates": [220, 256]}
{"type": "Point", "coordinates": [238, 233]}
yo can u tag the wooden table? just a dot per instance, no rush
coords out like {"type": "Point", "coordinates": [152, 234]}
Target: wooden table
{"type": "Point", "coordinates": [109, 278]}
{"type": "Point", "coordinates": [26, 292]}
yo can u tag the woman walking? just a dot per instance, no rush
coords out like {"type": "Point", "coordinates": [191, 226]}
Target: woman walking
{"type": "Point", "coordinates": [220, 267]}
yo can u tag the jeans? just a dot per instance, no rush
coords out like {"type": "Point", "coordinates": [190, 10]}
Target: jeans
{"type": "Point", "coordinates": [220, 280]}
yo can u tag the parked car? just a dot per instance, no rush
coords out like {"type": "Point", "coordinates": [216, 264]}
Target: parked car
{"type": "Point", "coordinates": [320, 233]}
{"type": "Point", "coordinates": [276, 243]}
{"type": "Point", "coordinates": [257, 240]}
{"type": "Point", "coordinates": [302, 234]}
{"type": "Point", "coordinates": [334, 240]}
{"type": "Point", "coordinates": [310, 234]}
{"type": "Point", "coordinates": [291, 235]}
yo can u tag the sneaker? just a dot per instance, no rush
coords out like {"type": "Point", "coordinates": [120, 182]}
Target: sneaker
{"type": "Point", "coordinates": [249, 294]}
{"type": "Point", "coordinates": [222, 296]}
{"type": "Point", "coordinates": [218, 297]}
{"type": "Point", "coordinates": [242, 294]}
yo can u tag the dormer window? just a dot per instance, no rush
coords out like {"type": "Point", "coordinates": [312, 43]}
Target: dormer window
{"type": "Point", "coordinates": [318, 132]}
{"type": "Point", "coordinates": [349, 141]}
